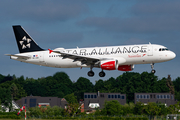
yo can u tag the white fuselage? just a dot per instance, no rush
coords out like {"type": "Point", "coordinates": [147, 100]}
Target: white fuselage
{"type": "Point", "coordinates": [131, 54]}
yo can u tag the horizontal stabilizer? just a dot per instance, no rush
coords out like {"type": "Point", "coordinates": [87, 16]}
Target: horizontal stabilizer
{"type": "Point", "coordinates": [19, 56]}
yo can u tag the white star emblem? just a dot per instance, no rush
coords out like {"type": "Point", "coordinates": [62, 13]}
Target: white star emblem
{"type": "Point", "coordinates": [25, 43]}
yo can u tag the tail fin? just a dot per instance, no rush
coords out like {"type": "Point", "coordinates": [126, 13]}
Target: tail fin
{"type": "Point", "coordinates": [24, 41]}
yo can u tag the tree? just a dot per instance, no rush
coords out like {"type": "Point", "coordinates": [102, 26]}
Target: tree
{"type": "Point", "coordinates": [71, 109]}
{"type": "Point", "coordinates": [139, 108]}
{"type": "Point", "coordinates": [110, 84]}
{"type": "Point", "coordinates": [62, 77]}
{"type": "Point", "coordinates": [35, 111]}
{"type": "Point", "coordinates": [128, 108]}
{"type": "Point", "coordinates": [14, 90]}
{"type": "Point", "coordinates": [5, 97]}
{"type": "Point", "coordinates": [152, 109]}
{"type": "Point", "coordinates": [33, 87]}
{"type": "Point", "coordinates": [1, 78]}
{"type": "Point", "coordinates": [177, 95]}
{"type": "Point", "coordinates": [57, 110]}
{"type": "Point", "coordinates": [112, 108]}
{"type": "Point", "coordinates": [163, 109]}
{"type": "Point", "coordinates": [21, 92]}
{"type": "Point", "coordinates": [176, 84]}
{"type": "Point", "coordinates": [81, 86]}
{"type": "Point", "coordinates": [174, 109]}
{"type": "Point", "coordinates": [162, 87]}
{"type": "Point", "coordinates": [71, 98]}
{"type": "Point", "coordinates": [169, 84]}
{"type": "Point", "coordinates": [99, 86]}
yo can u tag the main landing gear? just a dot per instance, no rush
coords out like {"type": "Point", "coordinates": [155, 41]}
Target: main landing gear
{"type": "Point", "coordinates": [152, 67]}
{"type": "Point", "coordinates": [101, 74]}
{"type": "Point", "coordinates": [91, 73]}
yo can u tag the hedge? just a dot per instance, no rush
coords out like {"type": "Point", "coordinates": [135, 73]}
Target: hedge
{"type": "Point", "coordinates": [9, 117]}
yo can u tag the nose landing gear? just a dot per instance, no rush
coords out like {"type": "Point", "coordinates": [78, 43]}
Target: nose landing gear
{"type": "Point", "coordinates": [152, 67]}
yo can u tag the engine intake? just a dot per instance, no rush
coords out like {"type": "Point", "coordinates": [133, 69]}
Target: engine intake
{"type": "Point", "coordinates": [109, 65]}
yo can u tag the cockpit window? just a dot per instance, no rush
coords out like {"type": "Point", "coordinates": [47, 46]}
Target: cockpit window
{"type": "Point", "coordinates": [163, 49]}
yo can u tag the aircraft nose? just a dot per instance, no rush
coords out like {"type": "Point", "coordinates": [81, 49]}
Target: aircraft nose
{"type": "Point", "coordinates": [172, 55]}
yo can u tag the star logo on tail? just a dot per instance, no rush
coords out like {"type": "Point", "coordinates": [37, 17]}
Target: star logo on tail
{"type": "Point", "coordinates": [25, 43]}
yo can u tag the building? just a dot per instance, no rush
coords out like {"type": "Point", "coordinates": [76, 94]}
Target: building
{"type": "Point", "coordinates": [165, 98]}
{"type": "Point", "coordinates": [33, 101]}
{"type": "Point", "coordinates": [97, 100]}
{"type": "Point", "coordinates": [15, 107]}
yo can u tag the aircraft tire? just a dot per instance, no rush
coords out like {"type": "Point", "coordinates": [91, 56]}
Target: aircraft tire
{"type": "Point", "coordinates": [90, 73]}
{"type": "Point", "coordinates": [102, 74]}
{"type": "Point", "coordinates": [153, 71]}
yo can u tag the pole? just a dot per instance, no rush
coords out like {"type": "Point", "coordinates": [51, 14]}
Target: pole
{"type": "Point", "coordinates": [25, 113]}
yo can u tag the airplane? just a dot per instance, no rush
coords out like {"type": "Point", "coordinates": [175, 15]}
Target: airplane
{"type": "Point", "coordinates": [122, 58]}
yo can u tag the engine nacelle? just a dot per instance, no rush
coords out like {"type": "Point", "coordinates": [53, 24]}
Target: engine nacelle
{"type": "Point", "coordinates": [125, 67]}
{"type": "Point", "coordinates": [109, 65]}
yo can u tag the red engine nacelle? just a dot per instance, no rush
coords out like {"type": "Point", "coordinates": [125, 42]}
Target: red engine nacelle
{"type": "Point", "coordinates": [126, 67]}
{"type": "Point", "coordinates": [109, 65]}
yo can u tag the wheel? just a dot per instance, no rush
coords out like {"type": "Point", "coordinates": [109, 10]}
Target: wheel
{"type": "Point", "coordinates": [102, 74]}
{"type": "Point", "coordinates": [90, 73]}
{"type": "Point", "coordinates": [153, 71]}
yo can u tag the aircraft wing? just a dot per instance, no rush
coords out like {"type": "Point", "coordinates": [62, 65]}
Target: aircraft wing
{"type": "Point", "coordinates": [18, 56]}
{"type": "Point", "coordinates": [84, 59]}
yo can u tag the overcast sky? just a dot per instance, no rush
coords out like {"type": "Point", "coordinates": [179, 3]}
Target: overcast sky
{"type": "Point", "coordinates": [88, 23]}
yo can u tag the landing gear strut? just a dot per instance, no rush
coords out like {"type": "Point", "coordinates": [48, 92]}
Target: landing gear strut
{"type": "Point", "coordinates": [152, 67]}
{"type": "Point", "coordinates": [102, 73]}
{"type": "Point", "coordinates": [91, 73]}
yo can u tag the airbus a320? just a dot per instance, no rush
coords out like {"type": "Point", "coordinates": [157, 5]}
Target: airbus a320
{"type": "Point", "coordinates": [121, 58]}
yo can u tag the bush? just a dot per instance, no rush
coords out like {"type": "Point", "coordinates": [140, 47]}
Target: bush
{"type": "Point", "coordinates": [8, 113]}
{"type": "Point", "coordinates": [136, 118]}
{"type": "Point", "coordinates": [9, 117]}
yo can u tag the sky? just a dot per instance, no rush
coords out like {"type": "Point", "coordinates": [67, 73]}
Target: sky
{"type": "Point", "coordinates": [89, 23]}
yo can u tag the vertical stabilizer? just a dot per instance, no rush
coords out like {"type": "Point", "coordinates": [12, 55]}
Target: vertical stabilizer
{"type": "Point", "coordinates": [24, 41]}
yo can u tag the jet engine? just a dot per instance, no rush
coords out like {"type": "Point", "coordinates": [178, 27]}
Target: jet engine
{"type": "Point", "coordinates": [109, 65]}
{"type": "Point", "coordinates": [125, 67]}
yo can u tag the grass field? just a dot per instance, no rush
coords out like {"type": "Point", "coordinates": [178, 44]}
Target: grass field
{"type": "Point", "coordinates": [37, 119]}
